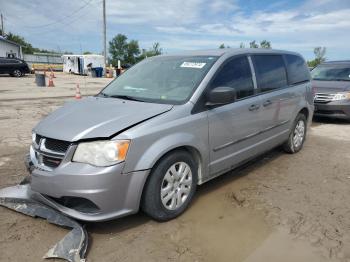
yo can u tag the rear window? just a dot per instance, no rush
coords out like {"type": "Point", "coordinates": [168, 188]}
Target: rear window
{"type": "Point", "coordinates": [298, 72]}
{"type": "Point", "coordinates": [270, 72]}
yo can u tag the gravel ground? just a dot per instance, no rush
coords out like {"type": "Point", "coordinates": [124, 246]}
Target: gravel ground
{"type": "Point", "coordinates": [278, 207]}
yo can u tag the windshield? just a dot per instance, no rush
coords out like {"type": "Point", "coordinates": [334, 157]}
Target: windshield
{"type": "Point", "coordinates": [162, 79]}
{"type": "Point", "coordinates": [331, 73]}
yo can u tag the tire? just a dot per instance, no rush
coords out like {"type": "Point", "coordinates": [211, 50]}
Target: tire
{"type": "Point", "coordinates": [17, 73]}
{"type": "Point", "coordinates": [297, 135]}
{"type": "Point", "coordinates": [161, 206]}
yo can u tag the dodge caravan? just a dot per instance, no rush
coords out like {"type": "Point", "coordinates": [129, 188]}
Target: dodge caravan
{"type": "Point", "coordinates": [168, 124]}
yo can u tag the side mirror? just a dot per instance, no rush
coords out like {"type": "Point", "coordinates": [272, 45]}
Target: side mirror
{"type": "Point", "coordinates": [221, 95]}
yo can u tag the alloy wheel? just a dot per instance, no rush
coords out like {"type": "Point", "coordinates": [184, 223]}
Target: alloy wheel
{"type": "Point", "coordinates": [176, 185]}
{"type": "Point", "coordinates": [17, 73]}
{"type": "Point", "coordinates": [299, 134]}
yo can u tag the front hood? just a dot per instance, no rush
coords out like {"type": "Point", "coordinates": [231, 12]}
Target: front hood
{"type": "Point", "coordinates": [330, 86]}
{"type": "Point", "coordinates": [96, 117]}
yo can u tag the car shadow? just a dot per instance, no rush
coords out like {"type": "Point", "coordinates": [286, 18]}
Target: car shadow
{"type": "Point", "coordinates": [327, 120]}
{"type": "Point", "coordinates": [237, 173]}
{"type": "Point", "coordinates": [8, 76]}
{"type": "Point", "coordinates": [125, 223]}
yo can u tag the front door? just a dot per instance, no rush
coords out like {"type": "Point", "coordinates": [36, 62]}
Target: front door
{"type": "Point", "coordinates": [233, 128]}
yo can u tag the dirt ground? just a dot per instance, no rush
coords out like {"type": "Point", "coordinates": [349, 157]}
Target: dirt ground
{"type": "Point", "coordinates": [279, 207]}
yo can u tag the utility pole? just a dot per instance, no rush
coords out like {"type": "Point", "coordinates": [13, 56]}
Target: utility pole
{"type": "Point", "coordinates": [104, 35]}
{"type": "Point", "coordinates": [2, 26]}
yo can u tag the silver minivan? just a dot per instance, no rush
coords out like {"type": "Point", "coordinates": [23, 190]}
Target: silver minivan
{"type": "Point", "coordinates": [166, 125]}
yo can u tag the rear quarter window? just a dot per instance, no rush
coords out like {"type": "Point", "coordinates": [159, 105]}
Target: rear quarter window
{"type": "Point", "coordinates": [270, 72]}
{"type": "Point", "coordinates": [297, 69]}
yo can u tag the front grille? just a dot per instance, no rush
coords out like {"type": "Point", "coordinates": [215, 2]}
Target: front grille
{"type": "Point", "coordinates": [323, 97]}
{"type": "Point", "coordinates": [51, 161]}
{"type": "Point", "coordinates": [57, 145]}
{"type": "Point", "coordinates": [48, 153]}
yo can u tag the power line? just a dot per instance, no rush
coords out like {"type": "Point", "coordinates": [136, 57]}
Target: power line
{"type": "Point", "coordinates": [66, 22]}
{"type": "Point", "coordinates": [62, 19]}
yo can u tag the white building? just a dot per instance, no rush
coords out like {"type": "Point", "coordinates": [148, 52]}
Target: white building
{"type": "Point", "coordinates": [10, 49]}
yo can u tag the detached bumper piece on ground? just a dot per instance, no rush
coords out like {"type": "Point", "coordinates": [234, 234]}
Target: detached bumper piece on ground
{"type": "Point", "coordinates": [72, 247]}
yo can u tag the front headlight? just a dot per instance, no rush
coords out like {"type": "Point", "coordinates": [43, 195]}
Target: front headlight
{"type": "Point", "coordinates": [101, 153]}
{"type": "Point", "coordinates": [341, 96]}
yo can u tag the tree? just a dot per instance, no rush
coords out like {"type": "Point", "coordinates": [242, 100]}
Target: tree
{"type": "Point", "coordinates": [153, 51]}
{"type": "Point", "coordinates": [87, 53]}
{"type": "Point", "coordinates": [320, 56]}
{"type": "Point", "coordinates": [27, 48]}
{"type": "Point", "coordinates": [265, 44]}
{"type": "Point", "coordinates": [133, 51]}
{"type": "Point", "coordinates": [222, 46]}
{"type": "Point", "coordinates": [121, 49]}
{"type": "Point", "coordinates": [156, 49]}
{"type": "Point", "coordinates": [253, 44]}
{"type": "Point", "coordinates": [118, 48]}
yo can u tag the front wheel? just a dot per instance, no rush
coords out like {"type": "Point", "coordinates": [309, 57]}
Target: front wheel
{"type": "Point", "coordinates": [170, 187]}
{"type": "Point", "coordinates": [297, 136]}
{"type": "Point", "coordinates": [17, 73]}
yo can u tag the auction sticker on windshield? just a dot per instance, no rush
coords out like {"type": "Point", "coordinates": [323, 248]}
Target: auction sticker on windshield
{"type": "Point", "coordinates": [193, 65]}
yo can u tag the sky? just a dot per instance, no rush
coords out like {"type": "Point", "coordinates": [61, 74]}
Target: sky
{"type": "Point", "coordinates": [76, 26]}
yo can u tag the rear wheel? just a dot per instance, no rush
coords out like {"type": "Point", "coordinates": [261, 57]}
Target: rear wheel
{"type": "Point", "coordinates": [297, 136]}
{"type": "Point", "coordinates": [17, 73]}
{"type": "Point", "coordinates": [171, 186]}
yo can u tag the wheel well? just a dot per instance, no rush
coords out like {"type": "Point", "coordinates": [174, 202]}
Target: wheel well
{"type": "Point", "coordinates": [193, 152]}
{"type": "Point", "coordinates": [305, 112]}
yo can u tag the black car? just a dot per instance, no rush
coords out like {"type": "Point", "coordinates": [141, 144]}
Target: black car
{"type": "Point", "coordinates": [13, 66]}
{"type": "Point", "coordinates": [331, 83]}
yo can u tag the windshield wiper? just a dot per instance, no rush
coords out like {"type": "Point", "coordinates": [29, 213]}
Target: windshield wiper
{"type": "Point", "coordinates": [125, 97]}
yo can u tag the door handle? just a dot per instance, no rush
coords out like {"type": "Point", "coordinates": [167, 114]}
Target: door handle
{"type": "Point", "coordinates": [254, 107]}
{"type": "Point", "coordinates": [267, 103]}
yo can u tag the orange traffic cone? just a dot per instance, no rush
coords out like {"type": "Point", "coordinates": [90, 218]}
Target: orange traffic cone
{"type": "Point", "coordinates": [77, 92]}
{"type": "Point", "coordinates": [50, 81]}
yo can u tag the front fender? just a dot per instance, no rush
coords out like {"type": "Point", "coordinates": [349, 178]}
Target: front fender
{"type": "Point", "coordinates": [165, 144]}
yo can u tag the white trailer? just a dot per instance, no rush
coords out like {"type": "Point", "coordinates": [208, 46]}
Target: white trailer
{"type": "Point", "coordinates": [78, 64]}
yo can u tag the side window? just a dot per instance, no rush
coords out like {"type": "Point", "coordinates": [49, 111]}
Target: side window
{"type": "Point", "coordinates": [7, 61]}
{"type": "Point", "coordinates": [297, 70]}
{"type": "Point", "coordinates": [236, 74]}
{"type": "Point", "coordinates": [270, 72]}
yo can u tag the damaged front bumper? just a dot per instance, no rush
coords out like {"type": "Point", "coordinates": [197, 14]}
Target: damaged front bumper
{"type": "Point", "coordinates": [86, 192]}
{"type": "Point", "coordinates": [21, 199]}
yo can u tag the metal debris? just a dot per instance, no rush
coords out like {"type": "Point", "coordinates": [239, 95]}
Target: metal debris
{"type": "Point", "coordinates": [72, 247]}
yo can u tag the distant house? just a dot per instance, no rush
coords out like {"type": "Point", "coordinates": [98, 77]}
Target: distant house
{"type": "Point", "coordinates": [10, 49]}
